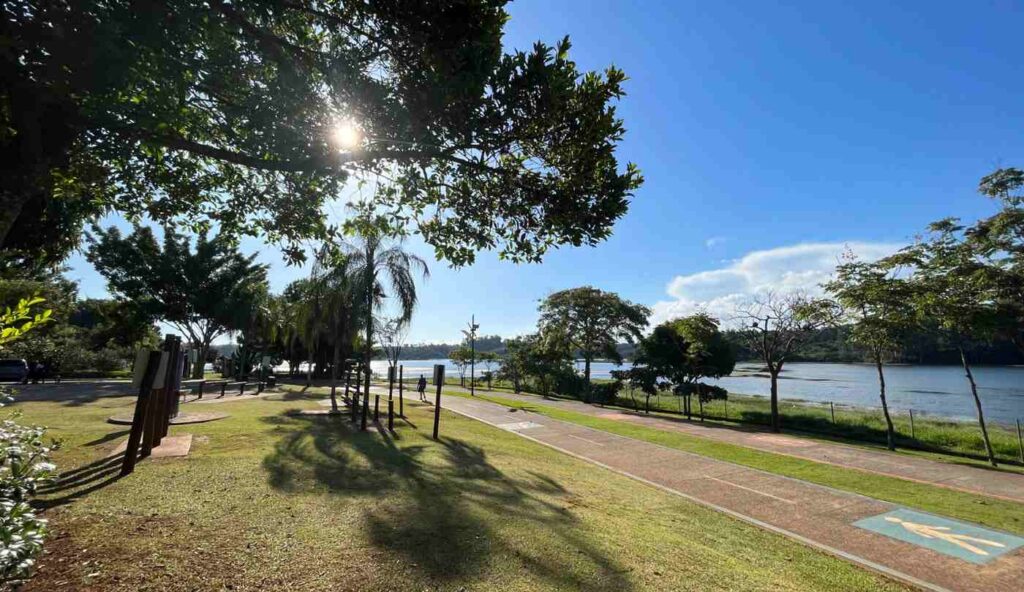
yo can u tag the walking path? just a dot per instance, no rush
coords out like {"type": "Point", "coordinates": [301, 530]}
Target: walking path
{"type": "Point", "coordinates": [963, 477]}
{"type": "Point", "coordinates": [920, 549]}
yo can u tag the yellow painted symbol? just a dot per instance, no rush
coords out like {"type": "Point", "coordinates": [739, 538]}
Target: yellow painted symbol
{"type": "Point", "coordinates": [943, 533]}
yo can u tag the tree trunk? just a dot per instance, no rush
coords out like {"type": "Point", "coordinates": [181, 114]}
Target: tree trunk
{"type": "Point", "coordinates": [368, 353]}
{"type": "Point", "coordinates": [11, 204]}
{"type": "Point", "coordinates": [586, 379]}
{"type": "Point", "coordinates": [334, 376]}
{"type": "Point", "coordinates": [775, 423]}
{"type": "Point", "coordinates": [977, 404]}
{"type": "Point", "coordinates": [890, 433]}
{"type": "Point", "coordinates": [197, 372]}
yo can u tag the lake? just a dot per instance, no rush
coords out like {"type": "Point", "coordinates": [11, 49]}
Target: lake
{"type": "Point", "coordinates": [935, 390]}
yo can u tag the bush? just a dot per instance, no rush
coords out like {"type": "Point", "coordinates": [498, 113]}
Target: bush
{"type": "Point", "coordinates": [605, 392]}
{"type": "Point", "coordinates": [108, 360]}
{"type": "Point", "coordinates": [24, 465]}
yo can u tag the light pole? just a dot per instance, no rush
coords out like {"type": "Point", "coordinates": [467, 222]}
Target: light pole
{"type": "Point", "coordinates": [471, 335]}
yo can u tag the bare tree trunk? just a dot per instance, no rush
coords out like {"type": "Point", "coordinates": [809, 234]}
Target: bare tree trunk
{"type": "Point", "coordinates": [368, 353]}
{"type": "Point", "coordinates": [775, 423]}
{"type": "Point", "coordinates": [197, 372]}
{"type": "Point", "coordinates": [586, 379]}
{"type": "Point", "coordinates": [977, 404]}
{"type": "Point", "coordinates": [334, 376]}
{"type": "Point", "coordinates": [890, 435]}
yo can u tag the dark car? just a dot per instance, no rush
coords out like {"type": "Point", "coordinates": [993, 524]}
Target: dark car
{"type": "Point", "coordinates": [14, 370]}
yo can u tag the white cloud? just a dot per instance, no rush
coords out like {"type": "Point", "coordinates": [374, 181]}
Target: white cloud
{"type": "Point", "coordinates": [714, 241]}
{"type": "Point", "coordinates": [802, 267]}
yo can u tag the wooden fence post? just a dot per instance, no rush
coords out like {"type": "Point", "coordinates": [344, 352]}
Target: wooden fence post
{"type": "Point", "coordinates": [912, 437]}
{"type": "Point", "coordinates": [366, 397]}
{"type": "Point", "coordinates": [142, 408]}
{"type": "Point", "coordinates": [401, 388]}
{"type": "Point", "coordinates": [439, 381]}
{"type": "Point", "coordinates": [357, 393]}
{"type": "Point", "coordinates": [833, 408]}
{"type": "Point", "coordinates": [149, 431]}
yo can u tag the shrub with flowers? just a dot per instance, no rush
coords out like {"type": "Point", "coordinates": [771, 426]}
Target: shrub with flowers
{"type": "Point", "coordinates": [24, 465]}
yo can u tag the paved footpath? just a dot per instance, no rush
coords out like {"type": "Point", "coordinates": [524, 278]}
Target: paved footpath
{"type": "Point", "coordinates": [921, 549]}
{"type": "Point", "coordinates": [963, 477]}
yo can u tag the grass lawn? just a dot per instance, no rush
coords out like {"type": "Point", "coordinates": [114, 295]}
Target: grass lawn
{"type": "Point", "coordinates": [993, 512]}
{"type": "Point", "coordinates": [267, 500]}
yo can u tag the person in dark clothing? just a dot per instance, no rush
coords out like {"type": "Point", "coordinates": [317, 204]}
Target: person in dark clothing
{"type": "Point", "coordinates": [421, 386]}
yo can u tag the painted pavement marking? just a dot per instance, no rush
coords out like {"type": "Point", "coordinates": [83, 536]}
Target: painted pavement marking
{"type": "Point", "coordinates": [586, 439]}
{"type": "Point", "coordinates": [957, 539]}
{"type": "Point", "coordinates": [519, 425]}
{"type": "Point", "coordinates": [751, 489]}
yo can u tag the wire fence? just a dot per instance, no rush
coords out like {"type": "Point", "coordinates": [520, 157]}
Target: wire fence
{"type": "Point", "coordinates": [912, 428]}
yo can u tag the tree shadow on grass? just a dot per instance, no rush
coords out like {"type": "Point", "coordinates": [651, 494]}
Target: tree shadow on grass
{"type": "Point", "coordinates": [303, 395]}
{"type": "Point", "coordinates": [107, 438]}
{"type": "Point", "coordinates": [80, 482]}
{"type": "Point", "coordinates": [446, 509]}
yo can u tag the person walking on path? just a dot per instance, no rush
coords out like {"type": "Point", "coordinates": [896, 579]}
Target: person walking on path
{"type": "Point", "coordinates": [421, 386]}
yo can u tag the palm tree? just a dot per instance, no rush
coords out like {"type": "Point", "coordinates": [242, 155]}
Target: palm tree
{"type": "Point", "coordinates": [341, 308]}
{"type": "Point", "coordinates": [374, 265]}
{"type": "Point", "coordinates": [309, 320]}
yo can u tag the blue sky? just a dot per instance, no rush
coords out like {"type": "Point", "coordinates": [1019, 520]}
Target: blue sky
{"type": "Point", "coordinates": [771, 135]}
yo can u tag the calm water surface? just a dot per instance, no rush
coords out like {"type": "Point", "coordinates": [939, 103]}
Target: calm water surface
{"type": "Point", "coordinates": [936, 390]}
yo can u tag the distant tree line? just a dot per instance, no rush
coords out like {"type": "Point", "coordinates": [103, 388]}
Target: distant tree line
{"type": "Point", "coordinates": [825, 344]}
{"type": "Point", "coordinates": [442, 351]}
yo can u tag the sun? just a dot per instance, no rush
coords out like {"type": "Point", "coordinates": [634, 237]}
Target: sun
{"type": "Point", "coordinates": [346, 135]}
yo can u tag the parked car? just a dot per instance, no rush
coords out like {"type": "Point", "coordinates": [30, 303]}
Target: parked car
{"type": "Point", "coordinates": [14, 370]}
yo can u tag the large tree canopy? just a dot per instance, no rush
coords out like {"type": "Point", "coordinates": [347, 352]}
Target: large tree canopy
{"type": "Point", "coordinates": [593, 322]}
{"type": "Point", "coordinates": [225, 111]}
{"type": "Point", "coordinates": [1000, 238]}
{"type": "Point", "coordinates": [203, 291]}
{"type": "Point", "coordinates": [678, 354]}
